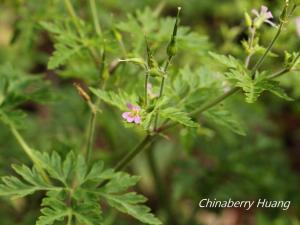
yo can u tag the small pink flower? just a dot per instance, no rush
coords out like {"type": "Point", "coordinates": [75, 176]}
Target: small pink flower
{"type": "Point", "coordinates": [133, 116]}
{"type": "Point", "coordinates": [150, 92]}
{"type": "Point", "coordinates": [263, 16]}
{"type": "Point", "coordinates": [298, 25]}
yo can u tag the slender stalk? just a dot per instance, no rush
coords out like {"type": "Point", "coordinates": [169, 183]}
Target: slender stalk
{"type": "Point", "coordinates": [262, 58]}
{"type": "Point", "coordinates": [135, 151]}
{"type": "Point", "coordinates": [69, 218]}
{"type": "Point", "coordinates": [95, 17]}
{"type": "Point", "coordinates": [91, 134]}
{"type": "Point", "coordinates": [29, 153]}
{"type": "Point", "coordinates": [161, 90]}
{"type": "Point", "coordinates": [251, 40]}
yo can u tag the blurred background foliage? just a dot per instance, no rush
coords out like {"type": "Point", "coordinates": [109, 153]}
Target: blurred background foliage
{"type": "Point", "coordinates": [211, 162]}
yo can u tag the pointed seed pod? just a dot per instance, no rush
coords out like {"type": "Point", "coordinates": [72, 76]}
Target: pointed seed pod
{"type": "Point", "coordinates": [172, 47]}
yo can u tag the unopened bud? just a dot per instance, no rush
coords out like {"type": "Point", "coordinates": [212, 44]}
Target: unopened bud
{"type": "Point", "coordinates": [248, 20]}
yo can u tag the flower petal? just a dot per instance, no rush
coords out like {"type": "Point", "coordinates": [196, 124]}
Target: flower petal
{"type": "Point", "coordinates": [255, 12]}
{"type": "Point", "coordinates": [298, 25]}
{"type": "Point", "coordinates": [130, 106]}
{"type": "Point", "coordinates": [271, 23]}
{"type": "Point", "coordinates": [130, 119]}
{"type": "Point", "coordinates": [125, 115]}
{"type": "Point", "coordinates": [137, 119]}
{"type": "Point", "coordinates": [269, 15]}
{"type": "Point", "coordinates": [263, 9]}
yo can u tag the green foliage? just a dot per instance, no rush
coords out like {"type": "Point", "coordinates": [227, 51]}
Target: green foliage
{"type": "Point", "coordinates": [254, 87]}
{"type": "Point", "coordinates": [228, 61]}
{"type": "Point", "coordinates": [178, 116]}
{"type": "Point", "coordinates": [119, 100]}
{"type": "Point", "coordinates": [79, 185]}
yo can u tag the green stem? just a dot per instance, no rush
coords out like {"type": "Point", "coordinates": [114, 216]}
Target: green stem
{"type": "Point", "coordinates": [95, 17]}
{"type": "Point", "coordinates": [29, 153]}
{"type": "Point", "coordinates": [163, 195]}
{"type": "Point", "coordinates": [135, 151]}
{"type": "Point", "coordinates": [91, 134]}
{"type": "Point", "coordinates": [262, 58]}
{"type": "Point", "coordinates": [70, 217]}
{"type": "Point", "coordinates": [130, 155]}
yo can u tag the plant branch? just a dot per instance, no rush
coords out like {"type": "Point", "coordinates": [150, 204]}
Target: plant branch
{"type": "Point", "coordinates": [221, 98]}
{"type": "Point", "coordinates": [91, 134]}
{"type": "Point", "coordinates": [262, 58]}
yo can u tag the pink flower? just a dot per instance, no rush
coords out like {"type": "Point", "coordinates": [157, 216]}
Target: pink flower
{"type": "Point", "coordinates": [150, 92]}
{"type": "Point", "coordinates": [133, 115]}
{"type": "Point", "coordinates": [298, 25]}
{"type": "Point", "coordinates": [263, 16]}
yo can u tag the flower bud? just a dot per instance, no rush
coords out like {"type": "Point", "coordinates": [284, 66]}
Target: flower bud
{"type": "Point", "coordinates": [248, 20]}
{"type": "Point", "coordinates": [155, 72]}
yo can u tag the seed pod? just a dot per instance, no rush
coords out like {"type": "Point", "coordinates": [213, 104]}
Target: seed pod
{"type": "Point", "coordinates": [284, 15]}
{"type": "Point", "coordinates": [172, 48]}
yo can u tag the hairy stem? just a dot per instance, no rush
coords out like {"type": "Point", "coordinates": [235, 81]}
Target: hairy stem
{"type": "Point", "coordinates": [29, 152]}
{"type": "Point", "coordinates": [161, 90]}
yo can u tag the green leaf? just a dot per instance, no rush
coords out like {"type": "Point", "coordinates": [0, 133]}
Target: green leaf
{"type": "Point", "coordinates": [14, 187]}
{"type": "Point", "coordinates": [120, 100]}
{"type": "Point", "coordinates": [97, 173]}
{"type": "Point", "coordinates": [88, 212]}
{"type": "Point", "coordinates": [253, 88]}
{"type": "Point", "coordinates": [61, 54]}
{"type": "Point", "coordinates": [32, 182]}
{"type": "Point", "coordinates": [228, 61]}
{"type": "Point", "coordinates": [54, 209]}
{"type": "Point", "coordinates": [121, 182]}
{"type": "Point", "coordinates": [130, 203]}
{"type": "Point", "coordinates": [177, 116]}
